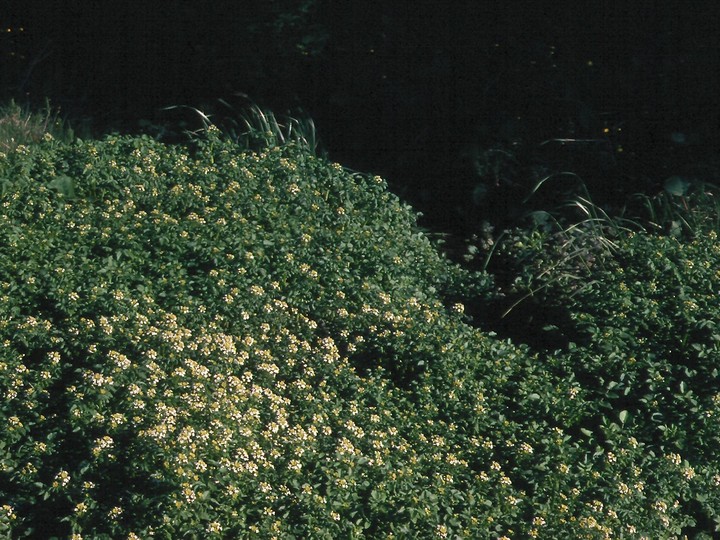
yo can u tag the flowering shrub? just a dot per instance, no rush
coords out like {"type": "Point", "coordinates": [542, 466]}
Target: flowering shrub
{"type": "Point", "coordinates": [652, 360]}
{"type": "Point", "coordinates": [233, 344]}
{"type": "Point", "coordinates": [640, 318]}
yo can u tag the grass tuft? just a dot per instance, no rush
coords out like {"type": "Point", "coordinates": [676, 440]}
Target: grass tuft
{"type": "Point", "coordinates": [20, 126]}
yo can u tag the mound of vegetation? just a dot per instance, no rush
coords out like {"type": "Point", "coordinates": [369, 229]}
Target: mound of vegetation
{"type": "Point", "coordinates": [210, 341]}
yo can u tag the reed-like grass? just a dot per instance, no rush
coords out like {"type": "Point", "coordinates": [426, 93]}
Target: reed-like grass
{"type": "Point", "coordinates": [21, 126]}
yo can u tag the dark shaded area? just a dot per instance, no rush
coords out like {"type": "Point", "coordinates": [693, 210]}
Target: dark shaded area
{"type": "Point", "coordinates": [463, 106]}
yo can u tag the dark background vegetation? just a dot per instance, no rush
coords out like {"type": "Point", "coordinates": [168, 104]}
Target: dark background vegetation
{"type": "Point", "coordinates": [460, 104]}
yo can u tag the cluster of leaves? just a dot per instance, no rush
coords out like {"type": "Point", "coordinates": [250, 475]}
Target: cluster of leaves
{"type": "Point", "coordinates": [537, 270]}
{"type": "Point", "coordinates": [637, 312]}
{"type": "Point", "coordinates": [652, 355]}
{"type": "Point", "coordinates": [230, 343]}
{"type": "Point", "coordinates": [686, 207]}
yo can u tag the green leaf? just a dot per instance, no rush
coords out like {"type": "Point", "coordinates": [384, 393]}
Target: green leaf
{"type": "Point", "coordinates": [64, 185]}
{"type": "Point", "coordinates": [676, 185]}
{"type": "Point", "coordinates": [675, 229]}
{"type": "Point", "coordinates": [623, 416]}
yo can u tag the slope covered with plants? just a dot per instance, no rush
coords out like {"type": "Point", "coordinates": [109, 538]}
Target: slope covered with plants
{"type": "Point", "coordinates": [212, 341]}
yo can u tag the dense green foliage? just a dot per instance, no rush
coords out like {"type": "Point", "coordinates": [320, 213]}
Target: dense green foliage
{"type": "Point", "coordinates": [223, 343]}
